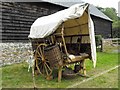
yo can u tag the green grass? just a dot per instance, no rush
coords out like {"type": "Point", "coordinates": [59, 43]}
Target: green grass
{"type": "Point", "coordinates": [16, 76]}
{"type": "Point", "coordinates": [111, 49]}
{"type": "Point", "coordinates": [104, 62]}
{"type": "Point", "coordinates": [109, 79]}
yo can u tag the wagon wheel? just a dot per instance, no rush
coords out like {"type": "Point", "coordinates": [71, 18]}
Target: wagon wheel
{"type": "Point", "coordinates": [42, 63]}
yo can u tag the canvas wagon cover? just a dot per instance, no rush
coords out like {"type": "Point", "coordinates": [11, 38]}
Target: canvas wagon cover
{"type": "Point", "coordinates": [46, 25]}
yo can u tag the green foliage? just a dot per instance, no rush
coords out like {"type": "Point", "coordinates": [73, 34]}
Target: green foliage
{"type": "Point", "coordinates": [116, 28]}
{"type": "Point", "coordinates": [98, 39]}
{"type": "Point", "coordinates": [111, 13]}
{"type": "Point", "coordinates": [116, 24]}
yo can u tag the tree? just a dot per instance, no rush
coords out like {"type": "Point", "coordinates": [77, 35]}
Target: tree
{"type": "Point", "coordinates": [112, 14]}
{"type": "Point", "coordinates": [116, 28]}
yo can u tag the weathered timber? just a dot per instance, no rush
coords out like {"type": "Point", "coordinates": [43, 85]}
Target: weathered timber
{"type": "Point", "coordinates": [17, 18]}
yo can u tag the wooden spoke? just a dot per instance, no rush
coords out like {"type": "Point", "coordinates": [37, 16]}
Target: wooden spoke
{"type": "Point", "coordinates": [38, 53]}
{"type": "Point", "coordinates": [42, 63]}
{"type": "Point", "coordinates": [46, 70]}
{"type": "Point", "coordinates": [48, 67]}
{"type": "Point", "coordinates": [41, 52]}
{"type": "Point", "coordinates": [38, 67]}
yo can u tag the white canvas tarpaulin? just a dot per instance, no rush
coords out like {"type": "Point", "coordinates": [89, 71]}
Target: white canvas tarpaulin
{"type": "Point", "coordinates": [71, 17]}
{"type": "Point", "coordinates": [92, 41]}
{"type": "Point", "coordinates": [46, 25]}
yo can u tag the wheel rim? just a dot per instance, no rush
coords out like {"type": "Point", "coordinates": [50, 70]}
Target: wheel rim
{"type": "Point", "coordinates": [42, 63]}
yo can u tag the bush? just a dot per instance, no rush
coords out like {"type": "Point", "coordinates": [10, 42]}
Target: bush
{"type": "Point", "coordinates": [116, 28]}
{"type": "Point", "coordinates": [98, 39]}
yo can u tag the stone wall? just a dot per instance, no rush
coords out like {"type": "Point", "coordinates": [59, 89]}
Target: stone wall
{"type": "Point", "coordinates": [14, 53]}
{"type": "Point", "coordinates": [111, 45]}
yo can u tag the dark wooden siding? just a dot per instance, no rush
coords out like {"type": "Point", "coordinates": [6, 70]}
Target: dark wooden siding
{"type": "Point", "coordinates": [102, 27]}
{"type": "Point", "coordinates": [17, 17]}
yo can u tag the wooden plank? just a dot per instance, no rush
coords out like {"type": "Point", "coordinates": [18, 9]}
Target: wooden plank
{"type": "Point", "coordinates": [14, 38]}
{"type": "Point", "coordinates": [15, 31]}
{"type": "Point", "coordinates": [8, 14]}
{"type": "Point", "coordinates": [15, 25]}
{"type": "Point", "coordinates": [5, 27]}
{"type": "Point", "coordinates": [17, 19]}
{"type": "Point", "coordinates": [15, 34]}
{"type": "Point", "coordinates": [73, 35]}
{"type": "Point", "coordinates": [23, 11]}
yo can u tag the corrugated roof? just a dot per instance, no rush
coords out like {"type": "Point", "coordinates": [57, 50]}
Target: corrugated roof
{"type": "Point", "coordinates": [67, 3]}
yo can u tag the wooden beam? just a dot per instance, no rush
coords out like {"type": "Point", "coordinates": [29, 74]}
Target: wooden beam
{"type": "Point", "coordinates": [73, 35]}
{"type": "Point", "coordinates": [63, 39]}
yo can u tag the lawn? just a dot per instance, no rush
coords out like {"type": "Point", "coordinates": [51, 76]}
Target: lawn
{"type": "Point", "coordinates": [16, 76]}
{"type": "Point", "coordinates": [109, 80]}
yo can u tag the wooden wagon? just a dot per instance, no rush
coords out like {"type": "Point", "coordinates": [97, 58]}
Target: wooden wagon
{"type": "Point", "coordinates": [63, 38]}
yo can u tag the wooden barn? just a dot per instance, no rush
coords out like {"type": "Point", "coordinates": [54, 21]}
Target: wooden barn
{"type": "Point", "coordinates": [17, 18]}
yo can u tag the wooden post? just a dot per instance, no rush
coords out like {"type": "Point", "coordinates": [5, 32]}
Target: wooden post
{"type": "Point", "coordinates": [59, 73]}
{"type": "Point", "coordinates": [84, 67]}
{"type": "Point", "coordinates": [63, 39]}
{"type": "Point", "coordinates": [33, 74]}
{"type": "Point", "coordinates": [52, 39]}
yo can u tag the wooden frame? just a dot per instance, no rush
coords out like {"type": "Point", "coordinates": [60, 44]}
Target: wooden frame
{"type": "Point", "coordinates": [42, 63]}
